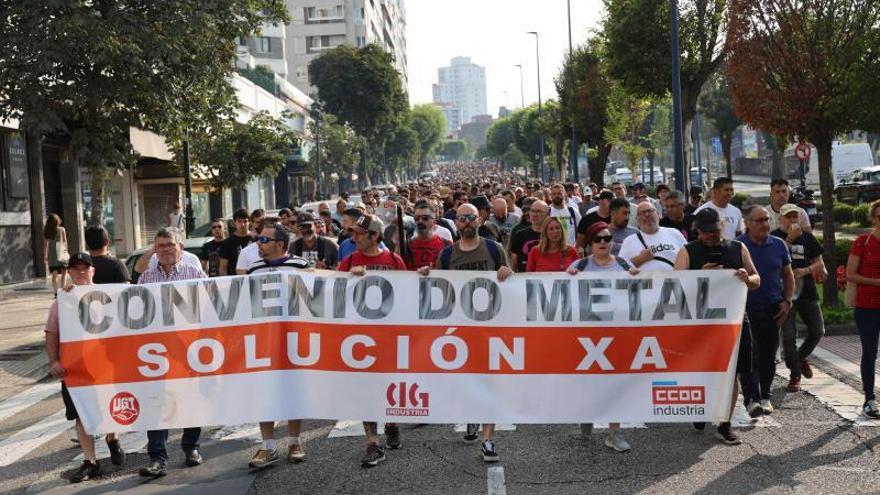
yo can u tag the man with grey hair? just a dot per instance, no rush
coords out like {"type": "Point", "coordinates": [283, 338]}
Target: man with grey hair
{"type": "Point", "coordinates": [653, 248]}
{"type": "Point", "coordinates": [503, 220]}
{"type": "Point", "coordinates": [168, 246]}
{"type": "Point", "coordinates": [675, 217]}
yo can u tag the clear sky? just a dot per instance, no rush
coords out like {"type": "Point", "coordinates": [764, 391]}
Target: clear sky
{"type": "Point", "coordinates": [493, 34]}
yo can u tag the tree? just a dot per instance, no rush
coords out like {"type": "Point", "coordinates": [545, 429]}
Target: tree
{"type": "Point", "coordinates": [556, 135]}
{"type": "Point", "coordinates": [430, 124]}
{"type": "Point", "coordinates": [591, 88]}
{"type": "Point", "coordinates": [527, 137]}
{"type": "Point", "coordinates": [627, 115]}
{"type": "Point", "coordinates": [234, 153]}
{"type": "Point", "coordinates": [500, 136]}
{"type": "Point", "coordinates": [798, 69]}
{"type": "Point", "coordinates": [340, 147]}
{"type": "Point", "coordinates": [402, 150]}
{"type": "Point", "coordinates": [455, 149]}
{"type": "Point", "coordinates": [514, 158]}
{"type": "Point", "coordinates": [91, 70]}
{"type": "Point", "coordinates": [637, 47]}
{"type": "Point", "coordinates": [718, 109]}
{"type": "Point", "coordinates": [660, 137]}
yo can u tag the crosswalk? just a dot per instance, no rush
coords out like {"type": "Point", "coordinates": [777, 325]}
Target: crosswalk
{"type": "Point", "coordinates": [839, 397]}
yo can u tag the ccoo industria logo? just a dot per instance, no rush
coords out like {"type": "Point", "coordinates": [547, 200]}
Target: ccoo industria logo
{"type": "Point", "coordinates": [671, 399]}
{"type": "Point", "coordinates": [405, 399]}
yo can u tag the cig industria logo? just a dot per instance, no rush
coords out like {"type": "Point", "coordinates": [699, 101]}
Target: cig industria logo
{"type": "Point", "coordinates": [406, 400]}
{"type": "Point", "coordinates": [671, 399]}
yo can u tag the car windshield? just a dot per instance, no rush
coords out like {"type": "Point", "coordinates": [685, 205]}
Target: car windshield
{"type": "Point", "coordinates": [873, 176]}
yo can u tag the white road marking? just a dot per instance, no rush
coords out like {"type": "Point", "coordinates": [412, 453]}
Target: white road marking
{"type": "Point", "coordinates": [23, 400]}
{"type": "Point", "coordinates": [351, 428]}
{"type": "Point", "coordinates": [495, 481]}
{"type": "Point", "coordinates": [20, 444]}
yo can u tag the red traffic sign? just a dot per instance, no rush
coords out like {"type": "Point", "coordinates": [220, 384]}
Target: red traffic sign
{"type": "Point", "coordinates": [803, 151]}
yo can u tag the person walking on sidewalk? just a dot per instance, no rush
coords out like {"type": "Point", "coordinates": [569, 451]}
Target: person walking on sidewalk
{"type": "Point", "coordinates": [168, 246]}
{"type": "Point", "coordinates": [55, 252]}
{"type": "Point", "coordinates": [807, 265]}
{"type": "Point", "coordinates": [81, 272]}
{"type": "Point", "coordinates": [863, 269]}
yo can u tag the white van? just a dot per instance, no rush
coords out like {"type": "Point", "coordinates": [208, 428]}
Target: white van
{"type": "Point", "coordinates": [845, 158]}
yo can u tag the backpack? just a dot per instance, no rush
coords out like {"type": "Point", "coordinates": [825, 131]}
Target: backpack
{"type": "Point", "coordinates": [492, 246]}
{"type": "Point", "coordinates": [582, 264]}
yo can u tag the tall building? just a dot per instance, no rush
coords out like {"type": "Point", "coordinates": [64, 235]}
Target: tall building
{"type": "Point", "coordinates": [462, 85]}
{"type": "Point", "coordinates": [320, 25]}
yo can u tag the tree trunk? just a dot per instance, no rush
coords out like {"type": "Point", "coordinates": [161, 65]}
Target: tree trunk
{"type": "Point", "coordinates": [726, 143]}
{"type": "Point", "coordinates": [597, 166]}
{"type": "Point", "coordinates": [99, 174]}
{"type": "Point", "coordinates": [826, 186]}
{"type": "Point", "coordinates": [560, 157]}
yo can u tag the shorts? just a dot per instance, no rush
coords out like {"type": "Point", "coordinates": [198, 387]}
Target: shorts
{"type": "Point", "coordinates": [58, 268]}
{"type": "Point", "coordinates": [744, 362]}
{"type": "Point", "coordinates": [69, 408]}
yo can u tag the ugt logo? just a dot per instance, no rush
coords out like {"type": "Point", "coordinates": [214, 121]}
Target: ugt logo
{"type": "Point", "coordinates": [405, 400]}
{"type": "Point", "coordinates": [124, 408]}
{"type": "Point", "coordinates": [672, 393]}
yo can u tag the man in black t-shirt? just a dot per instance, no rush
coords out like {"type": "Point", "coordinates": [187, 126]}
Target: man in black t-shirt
{"type": "Point", "coordinates": [211, 249]}
{"type": "Point", "coordinates": [807, 264]}
{"type": "Point", "coordinates": [108, 269]}
{"type": "Point", "coordinates": [525, 239]}
{"type": "Point", "coordinates": [602, 213]}
{"type": "Point", "coordinates": [675, 217]}
{"type": "Point", "coordinates": [235, 243]}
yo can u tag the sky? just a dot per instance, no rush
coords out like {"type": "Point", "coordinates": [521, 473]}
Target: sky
{"type": "Point", "coordinates": [493, 34]}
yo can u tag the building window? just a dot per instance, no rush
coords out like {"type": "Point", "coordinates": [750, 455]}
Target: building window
{"type": "Point", "coordinates": [320, 15]}
{"type": "Point", "coordinates": [361, 41]}
{"type": "Point", "coordinates": [264, 44]}
{"type": "Point", "coordinates": [301, 72]}
{"type": "Point", "coordinates": [241, 41]}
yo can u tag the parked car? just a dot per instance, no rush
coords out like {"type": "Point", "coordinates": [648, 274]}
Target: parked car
{"type": "Point", "coordinates": [191, 244]}
{"type": "Point", "coordinates": [624, 176]}
{"type": "Point", "coordinates": [863, 185]}
{"type": "Point", "coordinates": [646, 176]}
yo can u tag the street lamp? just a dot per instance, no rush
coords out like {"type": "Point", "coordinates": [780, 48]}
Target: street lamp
{"type": "Point", "coordinates": [678, 138]}
{"type": "Point", "coordinates": [574, 146]}
{"type": "Point", "coordinates": [540, 137]}
{"type": "Point", "coordinates": [522, 95]}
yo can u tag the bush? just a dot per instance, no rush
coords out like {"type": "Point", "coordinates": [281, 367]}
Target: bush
{"type": "Point", "coordinates": [739, 199]}
{"type": "Point", "coordinates": [860, 215]}
{"type": "Point", "coordinates": [842, 214]}
{"type": "Point", "coordinates": [841, 249]}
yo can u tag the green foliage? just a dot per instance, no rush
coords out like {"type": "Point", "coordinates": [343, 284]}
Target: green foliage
{"type": "Point", "coordinates": [262, 76]}
{"type": "Point", "coordinates": [514, 158]}
{"type": "Point", "coordinates": [718, 109]}
{"type": "Point", "coordinates": [860, 215]}
{"type": "Point", "coordinates": [838, 314]}
{"type": "Point", "coordinates": [739, 199]}
{"type": "Point", "coordinates": [92, 70]}
{"type": "Point", "coordinates": [627, 115]}
{"type": "Point", "coordinates": [455, 149]}
{"type": "Point", "coordinates": [234, 153]}
{"type": "Point", "coordinates": [340, 147]}
{"type": "Point", "coordinates": [500, 136]}
{"type": "Point", "coordinates": [842, 248]}
{"type": "Point", "coordinates": [402, 150]}
{"type": "Point", "coordinates": [842, 213]}
{"type": "Point", "coordinates": [430, 124]}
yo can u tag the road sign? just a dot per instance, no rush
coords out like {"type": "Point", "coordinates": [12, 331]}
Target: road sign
{"type": "Point", "coordinates": [716, 145]}
{"type": "Point", "coordinates": [803, 151]}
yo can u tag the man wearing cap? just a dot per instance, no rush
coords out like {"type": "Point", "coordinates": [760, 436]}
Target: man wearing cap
{"type": "Point", "coordinates": [653, 248]}
{"type": "Point", "coordinates": [81, 270]}
{"type": "Point", "coordinates": [318, 250]}
{"type": "Point", "coordinates": [662, 193]}
{"type": "Point", "coordinates": [695, 200]}
{"type": "Point", "coordinates": [808, 267]}
{"type": "Point", "coordinates": [600, 213]}
{"type": "Point", "coordinates": [710, 251]}
{"type": "Point", "coordinates": [168, 247]}
{"type": "Point", "coordinates": [273, 245]}
{"type": "Point", "coordinates": [587, 203]}
{"type": "Point", "coordinates": [367, 234]}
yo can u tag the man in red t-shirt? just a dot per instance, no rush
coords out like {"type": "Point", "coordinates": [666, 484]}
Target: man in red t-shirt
{"type": "Point", "coordinates": [426, 245]}
{"type": "Point", "coordinates": [367, 233]}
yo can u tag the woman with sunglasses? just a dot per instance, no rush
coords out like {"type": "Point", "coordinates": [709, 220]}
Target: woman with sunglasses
{"type": "Point", "coordinates": [552, 253]}
{"type": "Point", "coordinates": [598, 238]}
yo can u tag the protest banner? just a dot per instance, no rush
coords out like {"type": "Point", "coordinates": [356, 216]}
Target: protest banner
{"type": "Point", "coordinates": [452, 347]}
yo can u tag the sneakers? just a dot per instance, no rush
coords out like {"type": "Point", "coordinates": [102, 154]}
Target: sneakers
{"type": "Point", "coordinates": [295, 454]}
{"type": "Point", "coordinates": [698, 426]}
{"type": "Point", "coordinates": [806, 370]}
{"type": "Point", "coordinates": [870, 409]}
{"type": "Point", "coordinates": [155, 469]}
{"type": "Point", "coordinates": [489, 452]}
{"type": "Point", "coordinates": [755, 410]}
{"type": "Point", "coordinates": [193, 458]}
{"type": "Point", "coordinates": [392, 437]}
{"type": "Point", "coordinates": [263, 458]}
{"type": "Point", "coordinates": [86, 471]}
{"type": "Point", "coordinates": [586, 429]}
{"type": "Point", "coordinates": [766, 406]}
{"type": "Point", "coordinates": [726, 435]}
{"type": "Point", "coordinates": [375, 454]}
{"type": "Point", "coordinates": [117, 455]}
{"type": "Point", "coordinates": [794, 384]}
{"type": "Point", "coordinates": [471, 435]}
{"type": "Point", "coordinates": [614, 440]}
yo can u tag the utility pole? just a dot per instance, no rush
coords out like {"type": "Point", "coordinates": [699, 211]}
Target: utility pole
{"type": "Point", "coordinates": [574, 146]}
{"type": "Point", "coordinates": [541, 138]}
{"type": "Point", "coordinates": [678, 135]}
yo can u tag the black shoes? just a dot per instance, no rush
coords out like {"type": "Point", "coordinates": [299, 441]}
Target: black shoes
{"type": "Point", "coordinates": [471, 434]}
{"type": "Point", "coordinates": [155, 469]}
{"type": "Point", "coordinates": [392, 437]}
{"type": "Point", "coordinates": [193, 458]}
{"type": "Point", "coordinates": [117, 455]}
{"type": "Point", "coordinates": [86, 471]}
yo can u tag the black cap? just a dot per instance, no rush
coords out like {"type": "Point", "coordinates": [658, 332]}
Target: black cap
{"type": "Point", "coordinates": [696, 191]}
{"type": "Point", "coordinates": [606, 195]}
{"type": "Point", "coordinates": [707, 220]}
{"type": "Point", "coordinates": [481, 202]}
{"type": "Point", "coordinates": [305, 218]}
{"type": "Point", "coordinates": [80, 258]}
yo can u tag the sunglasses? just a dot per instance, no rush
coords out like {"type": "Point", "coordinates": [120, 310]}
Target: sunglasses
{"type": "Point", "coordinates": [467, 218]}
{"type": "Point", "coordinates": [600, 239]}
{"type": "Point", "coordinates": [266, 240]}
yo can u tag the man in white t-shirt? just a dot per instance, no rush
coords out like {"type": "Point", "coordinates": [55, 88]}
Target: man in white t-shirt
{"type": "Point", "coordinates": [731, 216]}
{"type": "Point", "coordinates": [653, 248]}
{"type": "Point", "coordinates": [568, 215]}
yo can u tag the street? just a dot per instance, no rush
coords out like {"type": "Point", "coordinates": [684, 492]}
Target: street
{"type": "Point", "coordinates": [814, 442]}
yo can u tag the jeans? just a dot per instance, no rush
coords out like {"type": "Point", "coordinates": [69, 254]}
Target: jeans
{"type": "Point", "coordinates": [811, 314]}
{"type": "Point", "coordinates": [868, 322]}
{"type": "Point", "coordinates": [156, 442]}
{"type": "Point", "coordinates": [765, 334]}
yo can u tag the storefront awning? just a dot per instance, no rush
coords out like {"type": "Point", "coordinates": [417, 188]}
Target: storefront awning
{"type": "Point", "coordinates": [149, 144]}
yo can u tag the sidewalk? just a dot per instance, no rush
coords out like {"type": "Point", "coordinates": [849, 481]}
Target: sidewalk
{"type": "Point", "coordinates": [22, 356]}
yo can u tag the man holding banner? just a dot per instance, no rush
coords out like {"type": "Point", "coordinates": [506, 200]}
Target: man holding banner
{"type": "Point", "coordinates": [712, 252]}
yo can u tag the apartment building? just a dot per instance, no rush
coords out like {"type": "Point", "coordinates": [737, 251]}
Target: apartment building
{"type": "Point", "coordinates": [462, 85]}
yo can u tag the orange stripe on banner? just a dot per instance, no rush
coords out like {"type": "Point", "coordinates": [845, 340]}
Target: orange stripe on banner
{"type": "Point", "coordinates": [500, 350]}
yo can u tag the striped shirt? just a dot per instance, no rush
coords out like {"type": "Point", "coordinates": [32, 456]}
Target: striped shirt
{"type": "Point", "coordinates": [180, 271]}
{"type": "Point", "coordinates": [281, 264]}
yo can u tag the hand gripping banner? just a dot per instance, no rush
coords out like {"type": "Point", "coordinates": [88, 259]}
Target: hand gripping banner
{"type": "Point", "coordinates": [452, 347]}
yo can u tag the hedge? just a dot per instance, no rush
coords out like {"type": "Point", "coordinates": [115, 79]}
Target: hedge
{"type": "Point", "coordinates": [842, 213]}
{"type": "Point", "coordinates": [860, 215]}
